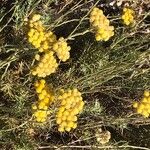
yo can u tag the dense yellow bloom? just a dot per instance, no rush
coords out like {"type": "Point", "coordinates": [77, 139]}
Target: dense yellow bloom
{"type": "Point", "coordinates": [38, 36]}
{"type": "Point", "coordinates": [71, 105]}
{"type": "Point", "coordinates": [41, 115]}
{"type": "Point", "coordinates": [46, 66]}
{"type": "Point", "coordinates": [104, 33]}
{"type": "Point", "coordinates": [46, 42]}
{"type": "Point", "coordinates": [128, 16]}
{"type": "Point", "coordinates": [45, 98]}
{"type": "Point", "coordinates": [62, 50]}
{"type": "Point", "coordinates": [101, 25]}
{"type": "Point", "coordinates": [143, 107]}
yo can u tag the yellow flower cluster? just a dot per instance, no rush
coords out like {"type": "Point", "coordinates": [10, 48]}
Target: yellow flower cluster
{"type": "Point", "coordinates": [101, 25]}
{"type": "Point", "coordinates": [38, 36]}
{"type": "Point", "coordinates": [41, 115]}
{"type": "Point", "coordinates": [143, 107]}
{"type": "Point", "coordinates": [45, 98]}
{"type": "Point", "coordinates": [45, 41]}
{"type": "Point", "coordinates": [62, 49]}
{"type": "Point", "coordinates": [47, 65]}
{"type": "Point", "coordinates": [71, 105]}
{"type": "Point", "coordinates": [128, 16]}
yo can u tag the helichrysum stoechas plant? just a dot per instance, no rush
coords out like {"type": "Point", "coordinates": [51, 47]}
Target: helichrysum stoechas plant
{"type": "Point", "coordinates": [100, 24]}
{"type": "Point", "coordinates": [143, 107]}
{"type": "Point", "coordinates": [47, 64]}
{"type": "Point", "coordinates": [62, 49]}
{"type": "Point", "coordinates": [128, 16]}
{"type": "Point", "coordinates": [45, 98]}
{"type": "Point", "coordinates": [71, 105]}
{"type": "Point", "coordinates": [38, 36]}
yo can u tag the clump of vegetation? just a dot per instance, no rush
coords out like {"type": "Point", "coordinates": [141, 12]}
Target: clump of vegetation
{"type": "Point", "coordinates": [49, 53]}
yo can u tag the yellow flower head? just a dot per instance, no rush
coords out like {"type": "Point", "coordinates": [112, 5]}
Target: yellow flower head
{"type": "Point", "coordinates": [45, 98]}
{"type": "Point", "coordinates": [46, 66]}
{"type": "Point", "coordinates": [38, 36]}
{"type": "Point", "coordinates": [62, 49]}
{"type": "Point", "coordinates": [71, 105]}
{"type": "Point", "coordinates": [101, 25]}
{"type": "Point", "coordinates": [128, 16]}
